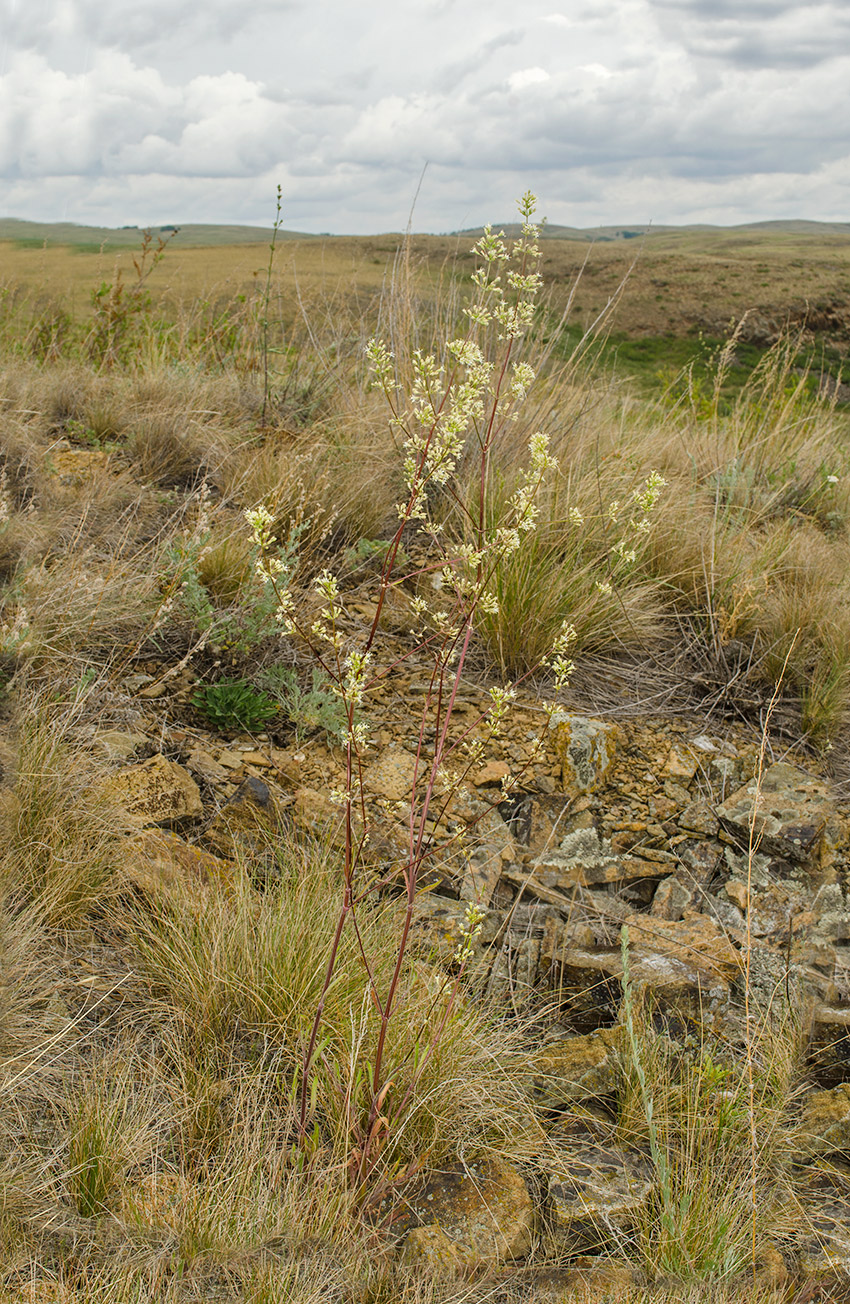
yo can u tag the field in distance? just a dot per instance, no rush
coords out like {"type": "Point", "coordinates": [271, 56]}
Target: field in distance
{"type": "Point", "coordinates": [675, 285]}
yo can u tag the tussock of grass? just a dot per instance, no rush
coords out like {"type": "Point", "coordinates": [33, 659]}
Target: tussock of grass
{"type": "Point", "coordinates": [720, 1137]}
{"type": "Point", "coordinates": [240, 965]}
{"type": "Point", "coordinates": [59, 837]}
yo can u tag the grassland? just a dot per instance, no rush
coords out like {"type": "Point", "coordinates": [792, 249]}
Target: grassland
{"type": "Point", "coordinates": [678, 292]}
{"type": "Point", "coordinates": [156, 1154]}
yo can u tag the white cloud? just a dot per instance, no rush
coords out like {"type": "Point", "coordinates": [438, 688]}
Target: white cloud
{"type": "Point", "coordinates": [595, 69]}
{"type": "Point", "coordinates": [527, 77]}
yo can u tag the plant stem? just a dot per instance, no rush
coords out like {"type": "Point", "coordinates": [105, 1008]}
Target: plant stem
{"type": "Point", "coordinates": [266, 298]}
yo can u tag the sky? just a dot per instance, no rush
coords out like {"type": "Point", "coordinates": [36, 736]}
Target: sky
{"type": "Point", "coordinates": [144, 112]}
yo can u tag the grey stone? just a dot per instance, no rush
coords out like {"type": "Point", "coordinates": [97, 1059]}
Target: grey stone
{"type": "Point", "coordinates": [597, 1192]}
{"type": "Point", "coordinates": [788, 816]}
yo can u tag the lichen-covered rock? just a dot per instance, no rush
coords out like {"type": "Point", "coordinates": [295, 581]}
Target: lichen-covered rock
{"type": "Point", "coordinates": [597, 1192]}
{"type": "Point", "coordinates": [588, 982]}
{"type": "Point", "coordinates": [824, 1127]}
{"type": "Point", "coordinates": [788, 816]}
{"type": "Point", "coordinates": [585, 749]}
{"type": "Point", "coordinates": [575, 1069]}
{"type": "Point", "coordinates": [696, 940]}
{"type": "Point", "coordinates": [156, 792]}
{"type": "Point", "coordinates": [430, 1247]}
{"type": "Point", "coordinates": [604, 1278]}
{"type": "Point", "coordinates": [157, 861]}
{"type": "Point", "coordinates": [204, 765]}
{"type": "Point", "coordinates": [831, 913]}
{"type": "Point", "coordinates": [583, 859]}
{"type": "Point", "coordinates": [698, 817]}
{"type": "Point", "coordinates": [679, 990]}
{"type": "Point", "coordinates": [73, 466]}
{"type": "Point", "coordinates": [483, 1211]}
{"type": "Point", "coordinates": [673, 897]}
{"type": "Point", "coordinates": [681, 764]}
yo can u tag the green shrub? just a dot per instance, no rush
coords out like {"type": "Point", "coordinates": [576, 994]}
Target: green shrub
{"type": "Point", "coordinates": [234, 704]}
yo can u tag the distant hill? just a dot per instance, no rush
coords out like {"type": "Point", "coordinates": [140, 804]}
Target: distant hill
{"type": "Point", "coordinates": [199, 235]}
{"type": "Point", "coordinates": [192, 235]}
{"type": "Point", "coordinates": [789, 226]}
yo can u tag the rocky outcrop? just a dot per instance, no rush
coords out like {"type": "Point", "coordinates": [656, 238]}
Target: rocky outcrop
{"type": "Point", "coordinates": [560, 842]}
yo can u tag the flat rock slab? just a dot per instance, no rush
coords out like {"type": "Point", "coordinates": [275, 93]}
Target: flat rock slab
{"type": "Point", "coordinates": [156, 792]}
{"type": "Point", "coordinates": [696, 940]}
{"type": "Point", "coordinates": [576, 863]}
{"type": "Point", "coordinates": [469, 1215]}
{"type": "Point", "coordinates": [575, 1069]}
{"type": "Point", "coordinates": [597, 1191]}
{"type": "Point", "coordinates": [787, 816]}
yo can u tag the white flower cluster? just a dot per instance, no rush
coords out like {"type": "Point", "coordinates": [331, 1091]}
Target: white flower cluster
{"type": "Point", "coordinates": [558, 661]}
{"type": "Point", "coordinates": [469, 929]}
{"type": "Point", "coordinates": [525, 500]}
{"type": "Point", "coordinates": [447, 403]}
{"type": "Point", "coordinates": [502, 700]}
{"type": "Point", "coordinates": [271, 566]}
{"type": "Point", "coordinates": [643, 501]}
{"type": "Point", "coordinates": [325, 628]}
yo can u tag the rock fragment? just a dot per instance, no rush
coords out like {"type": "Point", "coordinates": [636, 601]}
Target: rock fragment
{"type": "Point", "coordinates": [158, 791]}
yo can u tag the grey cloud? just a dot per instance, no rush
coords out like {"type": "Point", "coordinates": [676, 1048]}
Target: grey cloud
{"type": "Point", "coordinates": [138, 25]}
{"type": "Point", "coordinates": [758, 35]}
{"type": "Point", "coordinates": [452, 74]}
{"type": "Point", "coordinates": [662, 105]}
{"type": "Point", "coordinates": [741, 10]}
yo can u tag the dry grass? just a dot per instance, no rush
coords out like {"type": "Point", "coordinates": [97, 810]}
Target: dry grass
{"type": "Point", "coordinates": [238, 967]}
{"type": "Point", "coordinates": [715, 1148]}
{"type": "Point", "coordinates": [60, 835]}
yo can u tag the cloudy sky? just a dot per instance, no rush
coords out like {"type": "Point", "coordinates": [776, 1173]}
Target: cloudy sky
{"type": "Point", "coordinates": [612, 111]}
